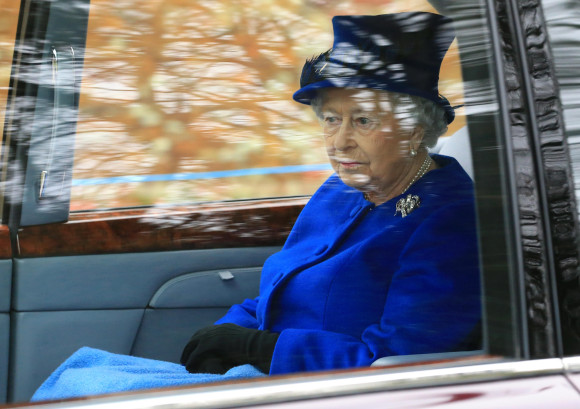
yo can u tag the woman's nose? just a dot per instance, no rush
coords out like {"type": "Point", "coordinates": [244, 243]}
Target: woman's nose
{"type": "Point", "coordinates": [343, 138]}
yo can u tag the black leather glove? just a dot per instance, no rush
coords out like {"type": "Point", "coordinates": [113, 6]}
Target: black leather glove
{"type": "Point", "coordinates": [217, 348]}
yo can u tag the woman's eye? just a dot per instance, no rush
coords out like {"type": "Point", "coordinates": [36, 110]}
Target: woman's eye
{"type": "Point", "coordinates": [331, 120]}
{"type": "Point", "coordinates": [363, 121]}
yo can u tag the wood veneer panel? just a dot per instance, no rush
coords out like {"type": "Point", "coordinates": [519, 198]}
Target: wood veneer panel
{"type": "Point", "coordinates": [5, 246]}
{"type": "Point", "coordinates": [222, 225]}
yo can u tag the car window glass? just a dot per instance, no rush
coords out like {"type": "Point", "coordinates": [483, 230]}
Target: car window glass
{"type": "Point", "coordinates": [191, 102]}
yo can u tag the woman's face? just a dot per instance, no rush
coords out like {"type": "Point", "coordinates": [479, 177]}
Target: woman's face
{"type": "Point", "coordinates": [368, 139]}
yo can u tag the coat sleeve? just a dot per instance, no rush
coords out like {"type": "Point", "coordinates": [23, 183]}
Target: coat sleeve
{"type": "Point", "coordinates": [432, 305]}
{"type": "Point", "coordinates": [243, 314]}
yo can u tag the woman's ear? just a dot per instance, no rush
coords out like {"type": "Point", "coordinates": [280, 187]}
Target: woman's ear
{"type": "Point", "coordinates": [417, 138]}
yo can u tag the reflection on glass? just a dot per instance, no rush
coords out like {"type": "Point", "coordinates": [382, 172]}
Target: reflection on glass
{"type": "Point", "coordinates": [178, 92]}
{"type": "Point", "coordinates": [8, 23]}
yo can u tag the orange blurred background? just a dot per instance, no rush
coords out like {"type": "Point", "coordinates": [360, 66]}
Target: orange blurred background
{"type": "Point", "coordinates": [186, 87]}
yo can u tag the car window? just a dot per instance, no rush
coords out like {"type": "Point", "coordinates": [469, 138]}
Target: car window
{"type": "Point", "coordinates": [191, 102]}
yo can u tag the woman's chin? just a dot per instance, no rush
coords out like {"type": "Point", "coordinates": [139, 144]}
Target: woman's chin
{"type": "Point", "coordinates": [354, 180]}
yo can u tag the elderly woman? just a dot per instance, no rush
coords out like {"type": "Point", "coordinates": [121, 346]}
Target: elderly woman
{"type": "Point", "coordinates": [382, 260]}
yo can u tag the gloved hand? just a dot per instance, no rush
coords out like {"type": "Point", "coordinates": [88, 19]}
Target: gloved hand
{"type": "Point", "coordinates": [217, 348]}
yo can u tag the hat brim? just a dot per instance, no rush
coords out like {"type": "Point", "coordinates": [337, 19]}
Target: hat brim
{"type": "Point", "coordinates": [305, 94]}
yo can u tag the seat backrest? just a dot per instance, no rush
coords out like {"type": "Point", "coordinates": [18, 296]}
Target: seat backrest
{"type": "Point", "coordinates": [458, 147]}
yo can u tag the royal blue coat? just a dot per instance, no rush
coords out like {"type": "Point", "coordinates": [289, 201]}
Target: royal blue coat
{"type": "Point", "coordinates": [355, 282]}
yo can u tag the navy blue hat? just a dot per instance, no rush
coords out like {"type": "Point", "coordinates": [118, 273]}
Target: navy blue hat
{"type": "Point", "coordinates": [399, 52]}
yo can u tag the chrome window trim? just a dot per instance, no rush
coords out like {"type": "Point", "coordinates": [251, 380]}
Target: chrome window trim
{"type": "Point", "coordinates": [319, 386]}
{"type": "Point", "coordinates": [572, 364]}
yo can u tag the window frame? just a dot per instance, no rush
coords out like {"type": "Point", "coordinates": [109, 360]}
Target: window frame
{"type": "Point", "coordinates": [549, 322]}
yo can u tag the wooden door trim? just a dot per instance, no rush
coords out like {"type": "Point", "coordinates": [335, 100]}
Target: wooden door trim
{"type": "Point", "coordinates": [5, 244]}
{"type": "Point", "coordinates": [213, 225]}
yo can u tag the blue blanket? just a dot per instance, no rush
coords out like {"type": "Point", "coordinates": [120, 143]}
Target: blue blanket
{"type": "Point", "coordinates": [91, 372]}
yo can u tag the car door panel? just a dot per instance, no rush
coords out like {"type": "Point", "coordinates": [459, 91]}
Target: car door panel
{"type": "Point", "coordinates": [164, 332]}
{"type": "Point", "coordinates": [217, 288]}
{"type": "Point", "coordinates": [119, 280]}
{"type": "Point", "coordinates": [43, 340]}
{"type": "Point", "coordinates": [5, 293]}
{"type": "Point", "coordinates": [189, 302]}
{"type": "Point", "coordinates": [4, 339]}
{"type": "Point", "coordinates": [147, 304]}
{"type": "Point", "coordinates": [5, 290]}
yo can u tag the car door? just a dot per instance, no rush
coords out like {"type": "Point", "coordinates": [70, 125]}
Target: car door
{"type": "Point", "coordinates": [140, 279]}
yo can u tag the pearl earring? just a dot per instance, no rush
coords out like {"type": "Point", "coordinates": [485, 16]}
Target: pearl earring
{"type": "Point", "coordinates": [413, 153]}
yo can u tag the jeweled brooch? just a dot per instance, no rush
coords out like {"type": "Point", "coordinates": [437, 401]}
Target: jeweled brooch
{"type": "Point", "coordinates": [407, 204]}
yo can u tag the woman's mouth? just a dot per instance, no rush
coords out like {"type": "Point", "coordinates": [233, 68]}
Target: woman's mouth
{"type": "Point", "coordinates": [349, 165]}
